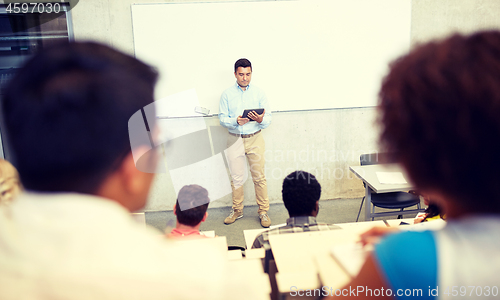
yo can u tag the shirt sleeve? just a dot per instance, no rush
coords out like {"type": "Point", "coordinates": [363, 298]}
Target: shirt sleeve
{"type": "Point", "coordinates": [267, 116]}
{"type": "Point", "coordinates": [408, 261]}
{"type": "Point", "coordinates": [224, 119]}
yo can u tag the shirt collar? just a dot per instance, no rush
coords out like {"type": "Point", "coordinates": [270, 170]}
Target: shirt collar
{"type": "Point", "coordinates": [238, 87]}
{"type": "Point", "coordinates": [305, 220]}
{"type": "Point", "coordinates": [185, 232]}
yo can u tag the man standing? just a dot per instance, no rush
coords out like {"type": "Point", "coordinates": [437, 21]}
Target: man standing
{"type": "Point", "coordinates": [245, 139]}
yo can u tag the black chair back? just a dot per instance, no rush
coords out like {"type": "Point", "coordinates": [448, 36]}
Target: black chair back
{"type": "Point", "coordinates": [374, 159]}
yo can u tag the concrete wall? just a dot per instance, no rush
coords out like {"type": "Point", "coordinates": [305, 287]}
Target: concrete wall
{"type": "Point", "coordinates": [323, 142]}
{"type": "Point", "coordinates": [437, 18]}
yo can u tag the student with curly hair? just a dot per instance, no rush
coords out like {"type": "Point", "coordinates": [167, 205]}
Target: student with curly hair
{"type": "Point", "coordinates": [439, 108]}
{"type": "Point", "coordinates": [301, 192]}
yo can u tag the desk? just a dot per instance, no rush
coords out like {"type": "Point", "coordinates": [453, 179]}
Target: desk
{"type": "Point", "coordinates": [209, 233]}
{"type": "Point", "coordinates": [368, 175]}
{"type": "Point", "coordinates": [397, 222]}
{"type": "Point", "coordinates": [251, 234]}
{"type": "Point", "coordinates": [255, 253]}
{"type": "Point", "coordinates": [254, 275]}
{"type": "Point", "coordinates": [431, 225]}
{"type": "Point", "coordinates": [219, 243]}
{"type": "Point", "coordinates": [357, 228]}
{"type": "Point", "coordinates": [301, 257]}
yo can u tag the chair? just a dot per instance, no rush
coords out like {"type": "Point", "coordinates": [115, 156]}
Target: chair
{"type": "Point", "coordinates": [394, 200]}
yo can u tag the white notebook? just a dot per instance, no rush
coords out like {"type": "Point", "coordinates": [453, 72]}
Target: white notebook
{"type": "Point", "coordinates": [351, 256]}
{"type": "Point", "coordinates": [391, 178]}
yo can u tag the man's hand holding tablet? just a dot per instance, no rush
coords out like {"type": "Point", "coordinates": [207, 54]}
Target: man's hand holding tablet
{"type": "Point", "coordinates": [242, 121]}
{"type": "Point", "coordinates": [252, 115]}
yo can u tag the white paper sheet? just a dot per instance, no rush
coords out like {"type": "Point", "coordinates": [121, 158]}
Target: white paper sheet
{"type": "Point", "coordinates": [351, 257]}
{"type": "Point", "coordinates": [391, 178]}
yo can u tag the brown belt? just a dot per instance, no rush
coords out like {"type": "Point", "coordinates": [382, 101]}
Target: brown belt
{"type": "Point", "coordinates": [244, 135]}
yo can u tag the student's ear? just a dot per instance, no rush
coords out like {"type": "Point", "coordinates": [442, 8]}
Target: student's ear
{"type": "Point", "coordinates": [136, 181]}
{"type": "Point", "coordinates": [204, 217]}
{"type": "Point", "coordinates": [127, 185]}
{"type": "Point", "coordinates": [175, 210]}
{"type": "Point", "coordinates": [316, 209]}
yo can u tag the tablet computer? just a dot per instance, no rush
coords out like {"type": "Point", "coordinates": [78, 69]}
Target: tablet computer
{"type": "Point", "coordinates": [247, 111]}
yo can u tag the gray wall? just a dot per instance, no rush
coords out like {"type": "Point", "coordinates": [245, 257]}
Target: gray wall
{"type": "Point", "coordinates": [322, 142]}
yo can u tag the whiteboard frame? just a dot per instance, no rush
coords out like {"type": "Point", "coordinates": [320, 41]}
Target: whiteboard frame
{"type": "Point", "coordinates": [342, 82]}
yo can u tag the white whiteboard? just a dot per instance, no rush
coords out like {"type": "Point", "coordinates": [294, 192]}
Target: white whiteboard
{"type": "Point", "coordinates": [309, 54]}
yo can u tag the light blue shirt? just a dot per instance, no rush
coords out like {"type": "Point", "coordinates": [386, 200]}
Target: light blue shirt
{"type": "Point", "coordinates": [234, 101]}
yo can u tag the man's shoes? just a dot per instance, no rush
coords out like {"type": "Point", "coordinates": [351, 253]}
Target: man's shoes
{"type": "Point", "coordinates": [233, 216]}
{"type": "Point", "coordinates": [265, 221]}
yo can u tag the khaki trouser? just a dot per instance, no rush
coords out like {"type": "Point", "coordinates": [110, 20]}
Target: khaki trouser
{"type": "Point", "coordinates": [238, 151]}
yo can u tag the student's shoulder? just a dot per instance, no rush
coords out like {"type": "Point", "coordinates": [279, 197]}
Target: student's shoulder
{"type": "Point", "coordinates": [404, 248]}
{"type": "Point", "coordinates": [409, 237]}
{"type": "Point", "coordinates": [327, 226]}
{"type": "Point", "coordinates": [263, 237]}
{"type": "Point", "coordinates": [408, 260]}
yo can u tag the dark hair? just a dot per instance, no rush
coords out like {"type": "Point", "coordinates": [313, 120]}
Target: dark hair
{"type": "Point", "coordinates": [195, 198]}
{"type": "Point", "coordinates": [300, 193]}
{"type": "Point", "coordinates": [439, 114]}
{"type": "Point", "coordinates": [242, 62]}
{"type": "Point", "coordinates": [431, 211]}
{"type": "Point", "coordinates": [66, 115]}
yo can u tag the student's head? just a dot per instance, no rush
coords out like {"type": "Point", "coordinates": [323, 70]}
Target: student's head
{"type": "Point", "coordinates": [301, 192]}
{"type": "Point", "coordinates": [66, 113]}
{"type": "Point", "coordinates": [196, 198]}
{"type": "Point", "coordinates": [243, 72]}
{"type": "Point", "coordinates": [440, 109]}
{"type": "Point", "coordinates": [9, 182]}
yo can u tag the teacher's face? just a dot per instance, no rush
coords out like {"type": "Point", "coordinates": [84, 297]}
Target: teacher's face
{"type": "Point", "coordinates": [243, 76]}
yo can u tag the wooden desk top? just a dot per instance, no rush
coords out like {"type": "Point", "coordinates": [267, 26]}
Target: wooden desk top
{"type": "Point", "coordinates": [251, 234]}
{"type": "Point", "coordinates": [369, 176]}
{"type": "Point", "coordinates": [431, 225]}
{"type": "Point", "coordinates": [254, 274]}
{"type": "Point", "coordinates": [301, 257]}
{"type": "Point", "coordinates": [309, 253]}
{"type": "Point", "coordinates": [357, 228]}
{"type": "Point", "coordinates": [219, 243]}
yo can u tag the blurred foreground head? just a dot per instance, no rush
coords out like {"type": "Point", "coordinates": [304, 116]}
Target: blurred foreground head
{"type": "Point", "coordinates": [440, 107]}
{"type": "Point", "coordinates": [66, 115]}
